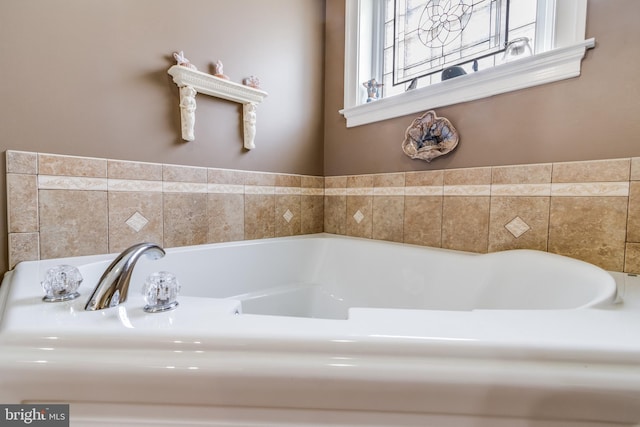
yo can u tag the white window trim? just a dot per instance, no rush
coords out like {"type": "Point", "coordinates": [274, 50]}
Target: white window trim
{"type": "Point", "coordinates": [562, 62]}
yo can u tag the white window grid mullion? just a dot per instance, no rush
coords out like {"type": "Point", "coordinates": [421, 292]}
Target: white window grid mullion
{"type": "Point", "coordinates": [545, 19]}
{"type": "Point", "coordinates": [377, 36]}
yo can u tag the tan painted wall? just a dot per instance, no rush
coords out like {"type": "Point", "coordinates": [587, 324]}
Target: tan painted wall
{"type": "Point", "coordinates": [88, 78]}
{"type": "Point", "coordinates": [591, 117]}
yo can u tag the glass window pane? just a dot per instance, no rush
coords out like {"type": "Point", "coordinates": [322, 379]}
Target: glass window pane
{"type": "Point", "coordinates": [522, 12]}
{"type": "Point", "coordinates": [430, 35]}
{"type": "Point", "coordinates": [433, 34]}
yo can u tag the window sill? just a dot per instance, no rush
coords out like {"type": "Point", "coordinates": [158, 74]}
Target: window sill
{"type": "Point", "coordinates": [558, 64]}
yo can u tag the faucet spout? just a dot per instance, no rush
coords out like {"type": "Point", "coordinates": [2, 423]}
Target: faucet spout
{"type": "Point", "coordinates": [113, 286]}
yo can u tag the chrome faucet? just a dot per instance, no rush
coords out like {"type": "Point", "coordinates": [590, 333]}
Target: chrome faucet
{"type": "Point", "coordinates": [113, 286]}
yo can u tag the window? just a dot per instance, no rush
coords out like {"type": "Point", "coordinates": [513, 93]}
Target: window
{"type": "Point", "coordinates": [412, 43]}
{"type": "Point", "coordinates": [422, 38]}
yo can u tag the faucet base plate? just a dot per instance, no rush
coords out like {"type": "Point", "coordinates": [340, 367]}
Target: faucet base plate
{"type": "Point", "coordinates": [160, 308]}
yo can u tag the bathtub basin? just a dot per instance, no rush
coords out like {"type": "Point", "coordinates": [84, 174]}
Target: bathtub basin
{"type": "Point", "coordinates": [330, 330]}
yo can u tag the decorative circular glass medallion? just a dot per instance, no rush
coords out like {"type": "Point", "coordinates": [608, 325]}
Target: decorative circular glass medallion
{"type": "Point", "coordinates": [442, 22]}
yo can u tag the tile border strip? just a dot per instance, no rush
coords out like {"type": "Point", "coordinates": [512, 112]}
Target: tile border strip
{"type": "Point", "coordinates": [49, 182]}
{"type": "Point", "coordinates": [582, 189]}
{"type": "Point", "coordinates": [66, 181]}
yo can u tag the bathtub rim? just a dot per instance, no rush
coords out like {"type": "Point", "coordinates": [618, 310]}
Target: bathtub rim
{"type": "Point", "coordinates": [145, 328]}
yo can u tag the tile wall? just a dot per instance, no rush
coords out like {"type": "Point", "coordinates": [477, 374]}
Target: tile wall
{"type": "Point", "coordinates": [65, 206]}
{"type": "Point", "coordinates": [586, 210]}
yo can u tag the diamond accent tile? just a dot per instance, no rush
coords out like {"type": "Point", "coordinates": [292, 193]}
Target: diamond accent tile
{"type": "Point", "coordinates": [288, 215]}
{"type": "Point", "coordinates": [137, 222]}
{"type": "Point", "coordinates": [517, 227]}
{"type": "Point", "coordinates": [358, 216]}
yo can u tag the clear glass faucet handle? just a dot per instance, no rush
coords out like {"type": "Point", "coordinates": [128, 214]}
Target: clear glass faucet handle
{"type": "Point", "coordinates": [161, 292]}
{"type": "Point", "coordinates": [61, 283]}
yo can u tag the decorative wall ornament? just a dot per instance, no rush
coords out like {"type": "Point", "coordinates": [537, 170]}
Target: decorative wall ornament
{"type": "Point", "coordinates": [219, 70]}
{"type": "Point", "coordinates": [249, 117]}
{"type": "Point", "coordinates": [252, 81]}
{"type": "Point", "coordinates": [188, 112]}
{"type": "Point", "coordinates": [429, 136]}
{"type": "Point", "coordinates": [373, 89]}
{"type": "Point", "coordinates": [191, 82]}
{"type": "Point", "coordinates": [183, 61]}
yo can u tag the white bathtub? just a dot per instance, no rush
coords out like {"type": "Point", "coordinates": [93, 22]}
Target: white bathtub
{"type": "Point", "coordinates": [327, 330]}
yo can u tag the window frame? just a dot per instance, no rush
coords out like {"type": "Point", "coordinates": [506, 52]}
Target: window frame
{"type": "Point", "coordinates": [562, 61]}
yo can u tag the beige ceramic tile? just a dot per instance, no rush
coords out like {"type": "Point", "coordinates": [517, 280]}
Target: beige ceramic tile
{"type": "Point", "coordinates": [52, 164]}
{"type": "Point", "coordinates": [73, 223]}
{"type": "Point", "coordinates": [175, 173]}
{"type": "Point", "coordinates": [533, 213]}
{"type": "Point", "coordinates": [284, 191]}
{"type": "Point", "coordinates": [184, 187]}
{"type": "Point", "coordinates": [589, 228]}
{"type": "Point", "coordinates": [423, 220]}
{"type": "Point", "coordinates": [312, 182]}
{"type": "Point", "coordinates": [312, 214]}
{"type": "Point", "coordinates": [283, 180]}
{"type": "Point", "coordinates": [388, 218]}
{"type": "Point", "coordinates": [592, 171]}
{"type": "Point", "coordinates": [259, 216]}
{"type": "Point", "coordinates": [585, 189]}
{"type": "Point", "coordinates": [335, 182]}
{"type": "Point", "coordinates": [465, 223]}
{"type": "Point", "coordinates": [288, 218]}
{"type": "Point", "coordinates": [22, 162]}
{"type": "Point", "coordinates": [133, 185]}
{"type": "Point", "coordinates": [632, 258]}
{"type": "Point", "coordinates": [424, 178]}
{"type": "Point", "coordinates": [226, 176]}
{"type": "Point", "coordinates": [387, 191]}
{"type": "Point", "coordinates": [118, 169]}
{"type": "Point", "coordinates": [635, 169]}
{"type": "Point", "coordinates": [335, 191]}
{"type": "Point", "coordinates": [57, 182]}
{"type": "Point", "coordinates": [522, 174]}
{"type": "Point", "coordinates": [23, 247]}
{"type": "Point", "coordinates": [467, 190]}
{"type": "Point", "coordinates": [225, 189]}
{"type": "Point", "coordinates": [633, 224]}
{"type": "Point", "coordinates": [522, 189]}
{"type": "Point", "coordinates": [134, 218]}
{"type": "Point", "coordinates": [185, 219]}
{"type": "Point", "coordinates": [260, 178]}
{"type": "Point", "coordinates": [360, 216]}
{"type": "Point", "coordinates": [22, 203]}
{"type": "Point", "coordinates": [388, 180]}
{"type": "Point", "coordinates": [335, 214]}
{"type": "Point", "coordinates": [360, 181]}
{"type": "Point", "coordinates": [470, 176]}
{"type": "Point", "coordinates": [265, 190]}
{"type": "Point", "coordinates": [426, 190]}
{"type": "Point", "coordinates": [226, 217]}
